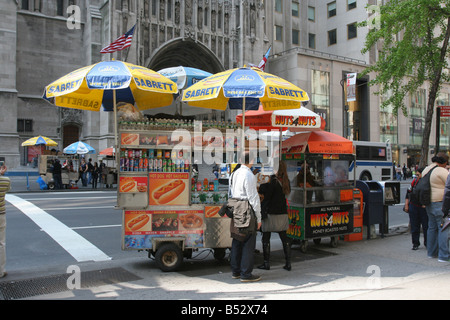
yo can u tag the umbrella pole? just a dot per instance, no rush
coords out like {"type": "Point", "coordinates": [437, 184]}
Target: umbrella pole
{"type": "Point", "coordinates": [115, 119]}
{"type": "Point", "coordinates": [243, 129]}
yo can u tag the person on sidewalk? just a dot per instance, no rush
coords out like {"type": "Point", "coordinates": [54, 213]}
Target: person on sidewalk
{"type": "Point", "coordinates": [437, 241]}
{"type": "Point", "coordinates": [57, 178]}
{"type": "Point", "coordinates": [5, 185]}
{"type": "Point", "coordinates": [243, 187]}
{"type": "Point", "coordinates": [274, 214]}
{"type": "Point", "coordinates": [417, 214]}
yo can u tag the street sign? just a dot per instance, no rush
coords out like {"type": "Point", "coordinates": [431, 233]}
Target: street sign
{"type": "Point", "coordinates": [445, 111]}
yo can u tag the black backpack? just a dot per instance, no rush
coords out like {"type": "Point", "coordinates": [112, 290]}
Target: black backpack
{"type": "Point", "coordinates": [421, 192]}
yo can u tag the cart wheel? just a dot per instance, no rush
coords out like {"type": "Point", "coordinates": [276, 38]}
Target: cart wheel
{"type": "Point", "coordinates": [334, 242]}
{"type": "Point", "coordinates": [219, 253]}
{"type": "Point", "coordinates": [303, 246]}
{"type": "Point", "coordinates": [51, 186]}
{"type": "Point", "coordinates": [317, 241]}
{"type": "Point", "coordinates": [169, 257]}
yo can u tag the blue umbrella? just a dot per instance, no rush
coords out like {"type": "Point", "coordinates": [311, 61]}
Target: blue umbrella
{"type": "Point", "coordinates": [184, 77]}
{"type": "Point", "coordinates": [78, 148]}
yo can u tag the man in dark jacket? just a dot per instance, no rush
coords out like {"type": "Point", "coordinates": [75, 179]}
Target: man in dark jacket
{"type": "Point", "coordinates": [57, 174]}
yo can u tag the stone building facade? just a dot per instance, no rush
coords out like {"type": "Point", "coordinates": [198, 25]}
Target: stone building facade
{"type": "Point", "coordinates": [314, 45]}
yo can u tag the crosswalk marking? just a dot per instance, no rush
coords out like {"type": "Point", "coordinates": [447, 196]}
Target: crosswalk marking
{"type": "Point", "coordinates": [77, 246]}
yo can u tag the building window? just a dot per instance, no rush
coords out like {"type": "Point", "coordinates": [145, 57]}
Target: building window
{"type": "Point", "coordinates": [331, 9]}
{"type": "Point", "coordinates": [296, 37]}
{"type": "Point", "coordinates": [351, 4]}
{"type": "Point", "coordinates": [60, 8]}
{"type": "Point", "coordinates": [24, 125]}
{"type": "Point", "coordinates": [388, 122]}
{"type": "Point", "coordinates": [443, 99]}
{"type": "Point", "coordinates": [278, 33]}
{"type": "Point", "coordinates": [417, 116]}
{"type": "Point", "coordinates": [295, 9]}
{"type": "Point", "coordinates": [25, 5]}
{"type": "Point", "coordinates": [278, 6]}
{"type": "Point", "coordinates": [332, 37]}
{"type": "Point", "coordinates": [320, 95]}
{"type": "Point", "coordinates": [352, 31]}
{"type": "Point", "coordinates": [311, 14]}
{"type": "Point", "coordinates": [311, 40]}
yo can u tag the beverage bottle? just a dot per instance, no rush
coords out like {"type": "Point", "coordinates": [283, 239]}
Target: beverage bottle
{"type": "Point", "coordinates": [205, 184]}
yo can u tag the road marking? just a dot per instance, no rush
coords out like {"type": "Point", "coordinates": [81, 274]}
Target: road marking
{"type": "Point", "coordinates": [77, 246]}
{"type": "Point", "coordinates": [95, 227]}
{"type": "Point", "coordinates": [72, 198]}
{"type": "Point", "coordinates": [79, 208]}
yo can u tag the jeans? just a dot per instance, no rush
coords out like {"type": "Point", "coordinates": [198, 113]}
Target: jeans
{"type": "Point", "coordinates": [437, 241]}
{"type": "Point", "coordinates": [2, 243]}
{"type": "Point", "coordinates": [242, 256]}
{"type": "Point", "coordinates": [418, 216]}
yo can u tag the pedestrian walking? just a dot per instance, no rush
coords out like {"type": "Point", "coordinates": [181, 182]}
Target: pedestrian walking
{"type": "Point", "coordinates": [90, 170]}
{"type": "Point", "coordinates": [5, 185]}
{"type": "Point", "coordinates": [57, 178]}
{"type": "Point", "coordinates": [437, 240]}
{"type": "Point", "coordinates": [417, 214]}
{"type": "Point", "coordinates": [95, 175]}
{"type": "Point", "coordinates": [398, 171]}
{"type": "Point", "coordinates": [274, 214]}
{"type": "Point", "coordinates": [243, 187]}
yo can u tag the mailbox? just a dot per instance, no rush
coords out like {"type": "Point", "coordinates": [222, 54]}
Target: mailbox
{"type": "Point", "coordinates": [373, 198]}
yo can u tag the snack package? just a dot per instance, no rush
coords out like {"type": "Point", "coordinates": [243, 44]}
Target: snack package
{"type": "Point", "coordinates": [127, 112]}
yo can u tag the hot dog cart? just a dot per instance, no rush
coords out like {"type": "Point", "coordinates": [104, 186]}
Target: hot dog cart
{"type": "Point", "coordinates": [321, 202]}
{"type": "Point", "coordinates": [170, 197]}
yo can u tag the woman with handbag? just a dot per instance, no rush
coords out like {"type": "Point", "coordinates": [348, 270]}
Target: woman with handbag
{"type": "Point", "coordinates": [274, 214]}
{"type": "Point", "coordinates": [417, 214]}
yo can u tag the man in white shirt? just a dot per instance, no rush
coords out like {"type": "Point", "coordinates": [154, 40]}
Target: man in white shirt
{"type": "Point", "coordinates": [243, 186]}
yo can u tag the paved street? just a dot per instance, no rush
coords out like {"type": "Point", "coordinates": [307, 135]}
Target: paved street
{"type": "Point", "coordinates": [382, 268]}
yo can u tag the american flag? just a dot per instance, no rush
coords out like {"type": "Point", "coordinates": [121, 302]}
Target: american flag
{"type": "Point", "coordinates": [262, 64]}
{"type": "Point", "coordinates": [121, 43]}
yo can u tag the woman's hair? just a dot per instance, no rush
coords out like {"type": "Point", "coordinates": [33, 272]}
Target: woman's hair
{"type": "Point", "coordinates": [441, 158]}
{"type": "Point", "coordinates": [283, 177]}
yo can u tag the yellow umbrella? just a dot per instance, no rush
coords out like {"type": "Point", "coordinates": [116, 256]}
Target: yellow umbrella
{"type": "Point", "coordinates": [39, 140]}
{"type": "Point", "coordinates": [93, 86]}
{"type": "Point", "coordinates": [245, 88]}
{"type": "Point", "coordinates": [108, 82]}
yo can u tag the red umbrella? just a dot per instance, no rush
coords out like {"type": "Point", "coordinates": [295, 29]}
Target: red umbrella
{"type": "Point", "coordinates": [107, 152]}
{"type": "Point", "coordinates": [301, 119]}
{"type": "Point", "coordinates": [318, 142]}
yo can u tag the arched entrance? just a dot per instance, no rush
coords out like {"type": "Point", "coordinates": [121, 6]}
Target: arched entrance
{"type": "Point", "coordinates": [187, 53]}
{"type": "Point", "coordinates": [71, 134]}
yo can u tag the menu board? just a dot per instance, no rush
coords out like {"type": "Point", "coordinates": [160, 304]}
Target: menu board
{"type": "Point", "coordinates": [169, 188]}
{"type": "Point", "coordinates": [140, 226]}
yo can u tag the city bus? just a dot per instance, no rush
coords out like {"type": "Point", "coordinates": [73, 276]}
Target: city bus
{"type": "Point", "coordinates": [373, 161]}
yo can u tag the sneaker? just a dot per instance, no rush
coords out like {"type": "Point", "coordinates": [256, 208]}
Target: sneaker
{"type": "Point", "coordinates": [252, 278]}
{"type": "Point", "coordinates": [4, 275]}
{"type": "Point", "coordinates": [443, 260]}
{"type": "Point", "coordinates": [235, 276]}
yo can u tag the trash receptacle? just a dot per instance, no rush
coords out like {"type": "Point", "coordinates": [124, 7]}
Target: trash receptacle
{"type": "Point", "coordinates": [358, 210]}
{"type": "Point", "coordinates": [374, 212]}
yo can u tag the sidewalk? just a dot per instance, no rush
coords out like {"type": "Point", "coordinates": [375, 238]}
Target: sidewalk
{"type": "Point", "coordinates": [382, 268]}
{"type": "Point", "coordinates": [19, 183]}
